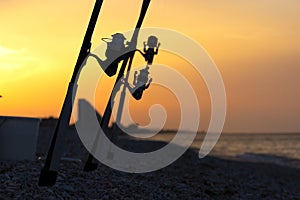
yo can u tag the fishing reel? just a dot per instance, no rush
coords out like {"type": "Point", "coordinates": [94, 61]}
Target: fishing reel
{"type": "Point", "coordinates": [141, 82]}
{"type": "Point", "coordinates": [114, 53]}
{"type": "Point", "coordinates": [152, 49]}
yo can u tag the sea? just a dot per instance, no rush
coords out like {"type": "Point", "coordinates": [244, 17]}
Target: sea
{"type": "Point", "coordinates": [277, 148]}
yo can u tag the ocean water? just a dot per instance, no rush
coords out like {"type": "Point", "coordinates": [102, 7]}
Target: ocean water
{"type": "Point", "coordinates": [277, 148]}
{"type": "Point", "coordinates": [282, 149]}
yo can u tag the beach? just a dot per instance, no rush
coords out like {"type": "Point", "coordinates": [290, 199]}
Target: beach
{"type": "Point", "coordinates": [232, 171]}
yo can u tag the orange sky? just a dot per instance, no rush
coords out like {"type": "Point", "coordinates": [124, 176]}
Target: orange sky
{"type": "Point", "coordinates": [255, 44]}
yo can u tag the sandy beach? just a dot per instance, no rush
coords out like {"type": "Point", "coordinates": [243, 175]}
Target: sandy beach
{"type": "Point", "coordinates": [214, 177]}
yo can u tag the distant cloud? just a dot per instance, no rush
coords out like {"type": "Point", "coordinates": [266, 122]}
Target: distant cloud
{"type": "Point", "coordinates": [12, 59]}
{"type": "Point", "coordinates": [17, 64]}
{"type": "Point", "coordinates": [5, 51]}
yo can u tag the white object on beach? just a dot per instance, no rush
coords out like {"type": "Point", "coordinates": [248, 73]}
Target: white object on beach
{"type": "Point", "coordinates": [18, 138]}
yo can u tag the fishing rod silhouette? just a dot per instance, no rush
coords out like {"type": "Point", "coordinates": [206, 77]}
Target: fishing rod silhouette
{"type": "Point", "coordinates": [49, 172]}
{"type": "Point", "coordinates": [141, 82]}
{"type": "Point", "coordinates": [91, 163]}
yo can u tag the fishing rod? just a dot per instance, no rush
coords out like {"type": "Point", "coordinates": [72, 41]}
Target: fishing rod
{"type": "Point", "coordinates": [49, 172]}
{"type": "Point", "coordinates": [90, 164]}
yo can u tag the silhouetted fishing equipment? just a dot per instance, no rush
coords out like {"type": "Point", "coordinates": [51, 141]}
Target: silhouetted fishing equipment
{"type": "Point", "coordinates": [152, 49]}
{"type": "Point", "coordinates": [114, 53]}
{"type": "Point", "coordinates": [49, 172]}
{"type": "Point", "coordinates": [115, 46]}
{"type": "Point", "coordinates": [152, 42]}
{"type": "Point", "coordinates": [128, 58]}
{"type": "Point", "coordinates": [141, 82]}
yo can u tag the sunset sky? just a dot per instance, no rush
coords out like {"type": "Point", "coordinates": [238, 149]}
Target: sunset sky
{"type": "Point", "coordinates": [255, 44]}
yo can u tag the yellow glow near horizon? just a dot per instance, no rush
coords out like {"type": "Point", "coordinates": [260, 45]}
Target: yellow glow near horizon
{"type": "Point", "coordinates": [256, 46]}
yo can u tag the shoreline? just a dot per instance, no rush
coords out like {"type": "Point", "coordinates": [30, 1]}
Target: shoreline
{"type": "Point", "coordinates": [186, 178]}
{"type": "Point", "coordinates": [214, 177]}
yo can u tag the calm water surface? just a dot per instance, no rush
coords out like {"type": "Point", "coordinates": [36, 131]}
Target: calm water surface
{"type": "Point", "coordinates": [282, 149]}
